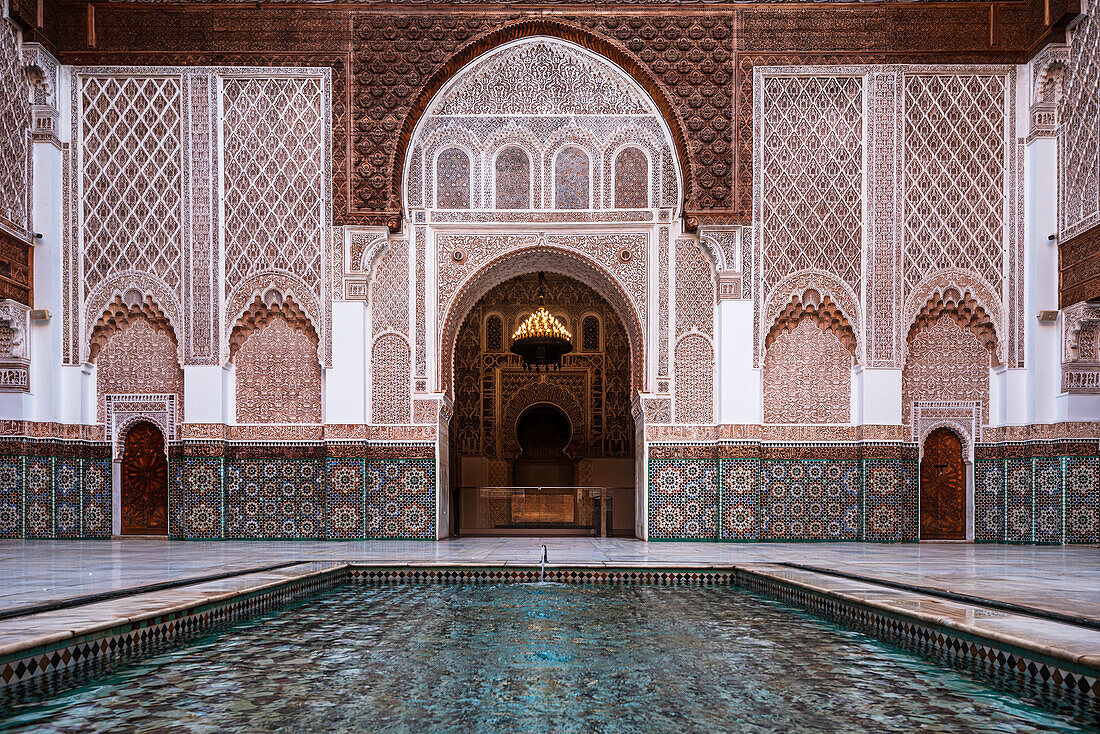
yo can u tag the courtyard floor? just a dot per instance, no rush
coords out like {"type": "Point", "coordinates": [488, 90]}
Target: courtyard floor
{"type": "Point", "coordinates": [1061, 580]}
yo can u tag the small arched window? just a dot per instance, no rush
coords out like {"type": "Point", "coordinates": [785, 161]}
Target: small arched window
{"type": "Point", "coordinates": [452, 179]}
{"type": "Point", "coordinates": [631, 179]}
{"type": "Point", "coordinates": [494, 334]}
{"type": "Point", "coordinates": [590, 334]}
{"type": "Point", "coordinates": [513, 179]}
{"type": "Point", "coordinates": [571, 177]}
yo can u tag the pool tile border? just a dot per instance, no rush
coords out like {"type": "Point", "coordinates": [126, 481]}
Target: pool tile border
{"type": "Point", "coordinates": [51, 666]}
{"type": "Point", "coordinates": [1022, 671]}
{"type": "Point", "coordinates": [95, 650]}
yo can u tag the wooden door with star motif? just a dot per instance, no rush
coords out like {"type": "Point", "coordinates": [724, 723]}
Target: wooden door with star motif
{"type": "Point", "coordinates": [942, 487]}
{"type": "Point", "coordinates": [144, 482]}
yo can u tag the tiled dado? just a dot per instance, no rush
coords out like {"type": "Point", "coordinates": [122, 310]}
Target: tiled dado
{"type": "Point", "coordinates": [783, 491]}
{"type": "Point", "coordinates": [301, 490]}
{"type": "Point", "coordinates": [1037, 492]}
{"type": "Point", "coordinates": [54, 488]}
{"type": "Point", "coordinates": [1012, 667]}
{"type": "Point", "coordinates": [65, 661]}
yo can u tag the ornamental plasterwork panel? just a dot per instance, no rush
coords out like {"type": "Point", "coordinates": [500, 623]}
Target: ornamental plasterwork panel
{"type": "Point", "coordinates": [942, 190]}
{"type": "Point", "coordinates": [15, 353]}
{"type": "Point", "coordinates": [122, 411]}
{"type": "Point", "coordinates": [15, 146]}
{"type": "Point", "coordinates": [1079, 138]}
{"type": "Point", "coordinates": [543, 95]}
{"type": "Point", "coordinates": [159, 226]}
{"type": "Point", "coordinates": [42, 69]}
{"type": "Point", "coordinates": [964, 417]}
{"type": "Point", "coordinates": [1048, 71]}
{"type": "Point", "coordinates": [1081, 348]}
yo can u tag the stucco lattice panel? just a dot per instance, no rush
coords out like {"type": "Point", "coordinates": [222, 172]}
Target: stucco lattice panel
{"type": "Point", "coordinates": [631, 179]}
{"type": "Point", "coordinates": [513, 179]}
{"type": "Point", "coordinates": [695, 292]}
{"type": "Point", "coordinates": [389, 293]}
{"type": "Point", "coordinates": [274, 178]}
{"type": "Point", "coordinates": [807, 377]}
{"type": "Point", "coordinates": [545, 77]}
{"type": "Point", "coordinates": [131, 182]}
{"type": "Point", "coordinates": [513, 98]}
{"type": "Point", "coordinates": [1080, 134]}
{"type": "Point", "coordinates": [945, 363]}
{"type": "Point", "coordinates": [15, 125]}
{"type": "Point", "coordinates": [571, 179]}
{"type": "Point", "coordinates": [954, 175]}
{"type": "Point", "coordinates": [138, 360]}
{"type": "Point", "coordinates": [390, 365]}
{"type": "Point", "coordinates": [278, 376]}
{"type": "Point", "coordinates": [452, 177]}
{"type": "Point", "coordinates": [812, 176]}
{"type": "Point", "coordinates": [694, 380]}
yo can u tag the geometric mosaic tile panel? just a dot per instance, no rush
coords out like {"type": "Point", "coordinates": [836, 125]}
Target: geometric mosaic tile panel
{"type": "Point", "coordinates": [812, 500]}
{"type": "Point", "coordinates": [890, 500]}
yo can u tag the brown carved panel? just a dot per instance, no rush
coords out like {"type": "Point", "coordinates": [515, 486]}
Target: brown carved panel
{"type": "Point", "coordinates": [1079, 268]}
{"type": "Point", "coordinates": [16, 269]}
{"type": "Point", "coordinates": [942, 487]}
{"type": "Point", "coordinates": [144, 482]}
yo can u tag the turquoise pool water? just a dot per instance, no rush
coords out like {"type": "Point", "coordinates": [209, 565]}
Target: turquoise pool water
{"type": "Point", "coordinates": [535, 658]}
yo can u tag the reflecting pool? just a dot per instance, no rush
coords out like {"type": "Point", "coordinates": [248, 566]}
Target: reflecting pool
{"type": "Point", "coordinates": [508, 658]}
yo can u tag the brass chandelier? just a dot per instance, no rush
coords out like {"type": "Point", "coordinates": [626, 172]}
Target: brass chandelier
{"type": "Point", "coordinates": [541, 340]}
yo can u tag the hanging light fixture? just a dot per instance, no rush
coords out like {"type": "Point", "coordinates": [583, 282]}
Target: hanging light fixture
{"type": "Point", "coordinates": [541, 341]}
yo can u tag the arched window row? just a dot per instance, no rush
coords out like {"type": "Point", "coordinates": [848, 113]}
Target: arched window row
{"type": "Point", "coordinates": [571, 184]}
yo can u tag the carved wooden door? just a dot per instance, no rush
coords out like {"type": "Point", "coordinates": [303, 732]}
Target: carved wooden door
{"type": "Point", "coordinates": [144, 482]}
{"type": "Point", "coordinates": [942, 487]}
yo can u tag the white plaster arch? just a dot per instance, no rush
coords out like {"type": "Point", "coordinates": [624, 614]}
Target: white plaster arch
{"type": "Point", "coordinates": [795, 285]}
{"type": "Point", "coordinates": [518, 86]}
{"type": "Point", "coordinates": [148, 287]}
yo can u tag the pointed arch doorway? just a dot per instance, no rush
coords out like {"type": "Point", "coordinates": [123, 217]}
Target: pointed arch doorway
{"type": "Point", "coordinates": [943, 487]}
{"type": "Point", "coordinates": [144, 473]}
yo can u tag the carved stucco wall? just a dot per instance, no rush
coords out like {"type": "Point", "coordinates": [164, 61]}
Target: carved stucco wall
{"type": "Point", "coordinates": [505, 120]}
{"type": "Point", "coordinates": [15, 130]}
{"type": "Point", "coordinates": [538, 131]}
{"type": "Point", "coordinates": [278, 375]}
{"type": "Point", "coordinates": [807, 376]}
{"type": "Point", "coordinates": [137, 359]}
{"type": "Point", "coordinates": [142, 178]}
{"type": "Point", "coordinates": [945, 363]}
{"type": "Point", "coordinates": [1079, 138]}
{"type": "Point", "coordinates": [694, 364]}
{"type": "Point", "coordinates": [888, 181]}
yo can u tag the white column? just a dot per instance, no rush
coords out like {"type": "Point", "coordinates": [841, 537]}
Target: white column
{"type": "Point", "coordinates": [739, 385]}
{"type": "Point", "coordinates": [876, 396]}
{"type": "Point", "coordinates": [208, 394]}
{"type": "Point", "coordinates": [345, 381]}
{"type": "Point", "coordinates": [1042, 340]}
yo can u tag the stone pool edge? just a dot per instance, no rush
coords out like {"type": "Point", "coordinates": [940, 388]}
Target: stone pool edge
{"type": "Point", "coordinates": [42, 660]}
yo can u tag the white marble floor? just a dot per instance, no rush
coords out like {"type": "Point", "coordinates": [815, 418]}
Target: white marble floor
{"type": "Point", "coordinates": [1064, 579]}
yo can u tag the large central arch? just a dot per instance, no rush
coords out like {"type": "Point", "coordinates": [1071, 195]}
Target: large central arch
{"type": "Point", "coordinates": [553, 259]}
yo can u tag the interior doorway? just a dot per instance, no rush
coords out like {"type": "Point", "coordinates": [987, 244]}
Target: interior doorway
{"type": "Point", "coordinates": [144, 481]}
{"type": "Point", "coordinates": [943, 487]}
{"type": "Point", "coordinates": [550, 451]}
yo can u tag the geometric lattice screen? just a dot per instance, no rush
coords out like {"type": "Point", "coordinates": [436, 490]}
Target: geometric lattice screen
{"type": "Point", "coordinates": [811, 178]}
{"type": "Point", "coordinates": [956, 158]}
{"type": "Point", "coordinates": [131, 178]}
